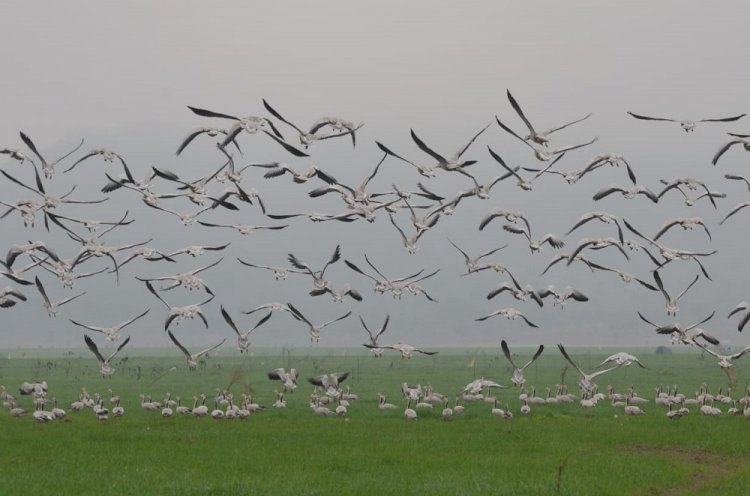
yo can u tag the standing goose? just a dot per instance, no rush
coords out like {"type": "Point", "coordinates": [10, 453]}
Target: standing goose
{"type": "Point", "coordinates": [518, 378]}
{"type": "Point", "coordinates": [104, 363]}
{"type": "Point", "coordinates": [192, 359]}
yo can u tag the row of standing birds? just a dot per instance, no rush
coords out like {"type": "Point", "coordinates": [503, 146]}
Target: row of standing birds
{"type": "Point", "coordinates": [359, 204]}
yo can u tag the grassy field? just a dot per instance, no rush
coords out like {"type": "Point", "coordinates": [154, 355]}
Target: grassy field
{"type": "Point", "coordinates": [558, 449]}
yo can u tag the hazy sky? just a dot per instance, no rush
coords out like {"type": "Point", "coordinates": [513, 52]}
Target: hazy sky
{"type": "Point", "coordinates": [120, 75]}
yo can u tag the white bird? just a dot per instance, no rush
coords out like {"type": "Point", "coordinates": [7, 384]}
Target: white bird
{"type": "Point", "coordinates": [586, 379]}
{"type": "Point", "coordinates": [682, 334]}
{"type": "Point", "coordinates": [6, 294]}
{"type": "Point", "coordinates": [112, 333]}
{"type": "Point", "coordinates": [178, 314]}
{"type": "Point", "coordinates": [518, 378]}
{"type": "Point", "coordinates": [622, 359]}
{"type": "Point", "coordinates": [288, 379]}
{"type": "Point", "coordinates": [192, 359]}
{"type": "Point", "coordinates": [725, 361]}
{"type": "Point", "coordinates": [406, 350]}
{"type": "Point", "coordinates": [314, 329]}
{"type": "Point", "coordinates": [373, 345]}
{"type": "Point", "coordinates": [687, 223]}
{"type": "Point", "coordinates": [671, 303]}
{"type": "Point", "coordinates": [687, 125]}
{"type": "Point", "coordinates": [104, 363]}
{"type": "Point", "coordinates": [508, 313]}
{"type": "Point", "coordinates": [243, 338]}
{"type": "Point", "coordinates": [541, 138]}
{"type": "Point", "coordinates": [410, 413]}
{"type": "Point", "coordinates": [544, 155]}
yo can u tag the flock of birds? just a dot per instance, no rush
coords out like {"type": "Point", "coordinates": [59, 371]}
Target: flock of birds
{"type": "Point", "coordinates": [413, 213]}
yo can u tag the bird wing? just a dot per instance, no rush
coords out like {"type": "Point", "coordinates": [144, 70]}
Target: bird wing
{"type": "Point", "coordinates": [724, 119]}
{"type": "Point", "coordinates": [177, 343]}
{"type": "Point", "coordinates": [128, 322]}
{"type": "Point", "coordinates": [44, 293]}
{"type": "Point", "coordinates": [279, 117]}
{"type": "Point", "coordinates": [334, 320]}
{"type": "Point", "coordinates": [660, 285]}
{"type": "Point", "coordinates": [555, 129]}
{"type": "Point", "coordinates": [499, 160]}
{"type": "Point", "coordinates": [736, 209]}
{"type": "Point", "coordinates": [520, 113]}
{"type": "Point", "coordinates": [506, 352]}
{"type": "Point", "coordinates": [687, 288]}
{"type": "Point", "coordinates": [463, 150]}
{"type": "Point", "coordinates": [427, 149]}
{"type": "Point", "coordinates": [565, 354]}
{"type": "Point", "coordinates": [466, 256]}
{"type": "Point", "coordinates": [94, 349]}
{"type": "Point", "coordinates": [110, 357]}
{"type": "Point", "coordinates": [229, 320]}
{"type": "Point", "coordinates": [510, 131]}
{"type": "Point", "coordinates": [335, 257]}
{"type": "Point", "coordinates": [207, 350]}
{"type": "Point", "coordinates": [723, 149]}
{"type": "Point", "coordinates": [646, 118]}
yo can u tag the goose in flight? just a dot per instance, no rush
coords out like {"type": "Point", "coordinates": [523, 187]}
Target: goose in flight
{"type": "Point", "coordinates": [243, 338]}
{"type": "Point", "coordinates": [16, 275]}
{"type": "Point", "coordinates": [560, 297]}
{"type": "Point", "coordinates": [314, 329]}
{"type": "Point", "coordinates": [626, 277]}
{"type": "Point", "coordinates": [178, 314]}
{"type": "Point", "coordinates": [329, 382]}
{"type": "Point", "coordinates": [687, 125]}
{"type": "Point", "coordinates": [612, 159]}
{"type": "Point", "coordinates": [288, 379]}
{"type": "Point", "coordinates": [406, 350]}
{"type": "Point", "coordinates": [243, 229]}
{"type": "Point", "coordinates": [53, 308]}
{"type": "Point", "coordinates": [671, 303]}
{"type": "Point", "coordinates": [742, 139]}
{"type": "Point", "coordinates": [188, 280]}
{"type": "Point", "coordinates": [519, 293]}
{"type": "Point", "coordinates": [276, 169]}
{"type": "Point", "coordinates": [725, 361]}
{"type": "Point", "coordinates": [385, 284]}
{"type": "Point", "coordinates": [512, 216]}
{"type": "Point", "coordinates": [627, 193]}
{"type": "Point", "coordinates": [596, 244]}
{"type": "Point", "coordinates": [741, 307]}
{"type": "Point", "coordinates": [251, 125]}
{"type": "Point", "coordinates": [410, 243]}
{"type": "Point", "coordinates": [510, 314]}
{"type": "Point", "coordinates": [518, 378]}
{"type": "Point", "coordinates": [190, 358]}
{"type": "Point", "coordinates": [373, 345]}
{"type": "Point", "coordinates": [105, 366]}
{"type": "Point", "coordinates": [341, 127]}
{"type": "Point", "coordinates": [279, 273]}
{"type": "Point", "coordinates": [622, 359]}
{"type": "Point", "coordinates": [682, 334]}
{"type": "Point", "coordinates": [273, 307]}
{"type": "Point", "coordinates": [545, 155]}
{"type": "Point", "coordinates": [586, 379]}
{"type": "Point", "coordinates": [112, 333]}
{"type": "Point", "coordinates": [208, 131]}
{"type": "Point", "coordinates": [670, 254]}
{"type": "Point", "coordinates": [472, 263]}
{"type": "Point", "coordinates": [428, 172]}
{"type": "Point", "coordinates": [453, 163]}
{"type": "Point", "coordinates": [543, 137]}
{"type": "Point", "coordinates": [687, 223]}
{"type": "Point", "coordinates": [536, 246]}
{"type": "Point", "coordinates": [319, 282]}
{"type": "Point", "coordinates": [6, 294]}
{"type": "Point", "coordinates": [338, 295]}
{"type": "Point", "coordinates": [48, 168]}
{"type": "Point", "coordinates": [692, 185]}
{"type": "Point", "coordinates": [524, 184]}
{"type": "Point", "coordinates": [107, 155]}
{"type": "Point", "coordinates": [197, 250]}
{"type": "Point", "coordinates": [600, 216]}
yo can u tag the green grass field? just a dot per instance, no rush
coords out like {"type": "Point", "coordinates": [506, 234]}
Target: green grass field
{"type": "Point", "coordinates": [558, 449]}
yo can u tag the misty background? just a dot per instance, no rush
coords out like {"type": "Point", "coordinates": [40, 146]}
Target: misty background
{"type": "Point", "coordinates": [121, 76]}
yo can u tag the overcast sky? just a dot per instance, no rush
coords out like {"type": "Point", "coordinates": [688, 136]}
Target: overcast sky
{"type": "Point", "coordinates": [121, 74]}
